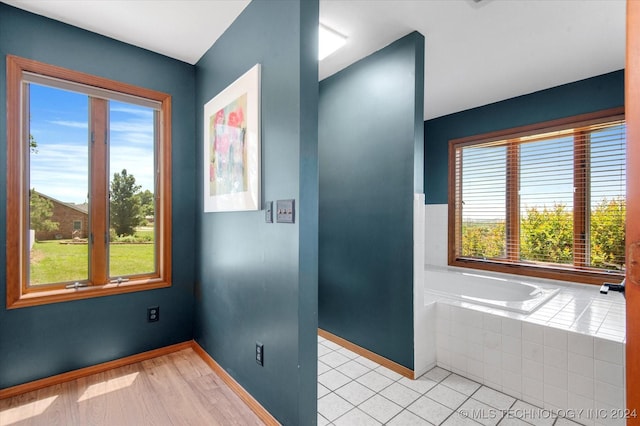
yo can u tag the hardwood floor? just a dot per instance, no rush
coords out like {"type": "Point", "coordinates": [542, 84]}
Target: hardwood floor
{"type": "Point", "coordinates": [174, 389]}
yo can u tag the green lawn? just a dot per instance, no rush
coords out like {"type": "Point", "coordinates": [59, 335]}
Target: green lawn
{"type": "Point", "coordinates": [130, 259]}
{"type": "Point", "coordinates": [53, 262]}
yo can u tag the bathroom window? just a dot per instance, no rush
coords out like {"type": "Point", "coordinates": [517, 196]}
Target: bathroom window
{"type": "Point", "coordinates": [547, 200]}
{"type": "Point", "coordinates": [88, 165]}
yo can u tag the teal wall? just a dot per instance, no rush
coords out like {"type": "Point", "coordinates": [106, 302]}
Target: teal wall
{"type": "Point", "coordinates": [370, 154]}
{"type": "Point", "coordinates": [41, 341]}
{"type": "Point", "coordinates": [581, 97]}
{"type": "Point", "coordinates": [258, 281]}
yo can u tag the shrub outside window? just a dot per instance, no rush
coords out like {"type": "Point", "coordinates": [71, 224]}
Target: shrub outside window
{"type": "Point", "coordinates": [546, 200]}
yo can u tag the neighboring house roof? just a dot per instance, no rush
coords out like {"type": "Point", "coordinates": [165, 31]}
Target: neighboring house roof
{"type": "Point", "coordinates": [82, 208]}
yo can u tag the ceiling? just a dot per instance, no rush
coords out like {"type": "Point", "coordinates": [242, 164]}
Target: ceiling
{"type": "Point", "coordinates": [476, 52]}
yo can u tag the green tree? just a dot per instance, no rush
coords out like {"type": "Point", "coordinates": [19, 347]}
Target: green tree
{"type": "Point", "coordinates": [547, 235]}
{"type": "Point", "coordinates": [147, 202]}
{"type": "Point", "coordinates": [608, 234]}
{"type": "Point", "coordinates": [484, 240]}
{"type": "Point", "coordinates": [40, 212]}
{"type": "Point", "coordinates": [33, 144]}
{"type": "Point", "coordinates": [125, 210]}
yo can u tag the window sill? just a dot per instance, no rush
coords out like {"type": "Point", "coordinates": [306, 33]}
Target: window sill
{"type": "Point", "coordinates": [581, 277]}
{"type": "Point", "coordinates": [44, 297]}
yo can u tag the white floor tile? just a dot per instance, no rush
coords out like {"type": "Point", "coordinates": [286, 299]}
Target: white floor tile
{"type": "Point", "coordinates": [481, 412]}
{"type": "Point", "coordinates": [322, 368]}
{"type": "Point", "coordinates": [430, 410]}
{"type": "Point", "coordinates": [322, 390]}
{"type": "Point", "coordinates": [457, 420]}
{"type": "Point", "coordinates": [356, 417]}
{"type": "Point", "coordinates": [401, 395]}
{"type": "Point", "coordinates": [332, 406]}
{"type": "Point", "coordinates": [531, 414]}
{"type": "Point", "coordinates": [367, 362]}
{"type": "Point", "coordinates": [353, 369]}
{"type": "Point", "coordinates": [446, 396]}
{"type": "Point", "coordinates": [510, 421]}
{"type": "Point", "coordinates": [375, 381]}
{"type": "Point", "coordinates": [355, 393]}
{"type": "Point", "coordinates": [334, 359]}
{"type": "Point", "coordinates": [331, 345]}
{"type": "Point", "coordinates": [407, 418]}
{"type": "Point", "coordinates": [322, 421]}
{"type": "Point", "coordinates": [461, 384]}
{"type": "Point", "coordinates": [323, 350]}
{"type": "Point", "coordinates": [493, 398]}
{"type": "Point", "coordinates": [333, 379]}
{"type": "Point", "coordinates": [380, 408]}
{"type": "Point", "coordinates": [436, 374]}
{"type": "Point", "coordinates": [389, 373]}
{"type": "Point", "coordinates": [565, 422]}
{"type": "Point", "coordinates": [349, 354]}
{"type": "Point", "coordinates": [420, 385]}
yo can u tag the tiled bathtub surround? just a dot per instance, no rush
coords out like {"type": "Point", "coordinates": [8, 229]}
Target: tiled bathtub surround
{"type": "Point", "coordinates": [569, 354]}
{"type": "Point", "coordinates": [578, 308]}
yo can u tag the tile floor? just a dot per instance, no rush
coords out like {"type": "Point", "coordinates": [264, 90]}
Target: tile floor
{"type": "Point", "coordinates": [354, 391]}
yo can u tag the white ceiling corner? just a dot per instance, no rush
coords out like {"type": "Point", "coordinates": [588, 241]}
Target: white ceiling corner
{"type": "Point", "coordinates": [476, 53]}
{"type": "Point", "coordinates": [180, 29]}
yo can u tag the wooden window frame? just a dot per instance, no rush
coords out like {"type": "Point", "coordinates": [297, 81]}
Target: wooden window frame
{"type": "Point", "coordinates": [19, 294]}
{"type": "Point", "coordinates": [509, 265]}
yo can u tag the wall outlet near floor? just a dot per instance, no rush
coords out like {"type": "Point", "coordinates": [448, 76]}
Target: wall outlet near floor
{"type": "Point", "coordinates": [153, 314]}
{"type": "Point", "coordinates": [259, 354]}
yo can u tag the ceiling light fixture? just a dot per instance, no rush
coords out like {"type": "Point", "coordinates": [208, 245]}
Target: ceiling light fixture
{"type": "Point", "coordinates": [329, 41]}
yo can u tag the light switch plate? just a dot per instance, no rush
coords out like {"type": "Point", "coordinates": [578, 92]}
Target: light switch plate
{"type": "Point", "coordinates": [285, 211]}
{"type": "Point", "coordinates": [268, 212]}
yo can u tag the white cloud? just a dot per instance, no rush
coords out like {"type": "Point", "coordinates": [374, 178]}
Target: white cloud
{"type": "Point", "coordinates": [138, 162]}
{"type": "Point", "coordinates": [74, 124]}
{"type": "Point", "coordinates": [139, 111]}
{"type": "Point", "coordinates": [135, 126]}
{"type": "Point", "coordinates": [60, 171]}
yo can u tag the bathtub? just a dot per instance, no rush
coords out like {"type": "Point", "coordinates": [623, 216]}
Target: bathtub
{"type": "Point", "coordinates": [510, 294]}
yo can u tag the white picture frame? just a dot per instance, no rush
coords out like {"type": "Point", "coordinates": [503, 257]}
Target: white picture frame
{"type": "Point", "coordinates": [232, 151]}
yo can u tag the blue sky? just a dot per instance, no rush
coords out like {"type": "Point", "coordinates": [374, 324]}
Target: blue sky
{"type": "Point", "coordinates": [59, 123]}
{"type": "Point", "coordinates": [546, 169]}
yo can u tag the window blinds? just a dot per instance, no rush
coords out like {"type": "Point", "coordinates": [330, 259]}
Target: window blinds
{"type": "Point", "coordinates": [555, 198]}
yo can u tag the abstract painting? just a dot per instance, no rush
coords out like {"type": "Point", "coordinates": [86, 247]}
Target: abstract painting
{"type": "Point", "coordinates": [232, 146]}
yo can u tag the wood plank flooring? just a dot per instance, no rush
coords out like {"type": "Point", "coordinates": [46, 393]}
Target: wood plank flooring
{"type": "Point", "coordinates": [174, 389]}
